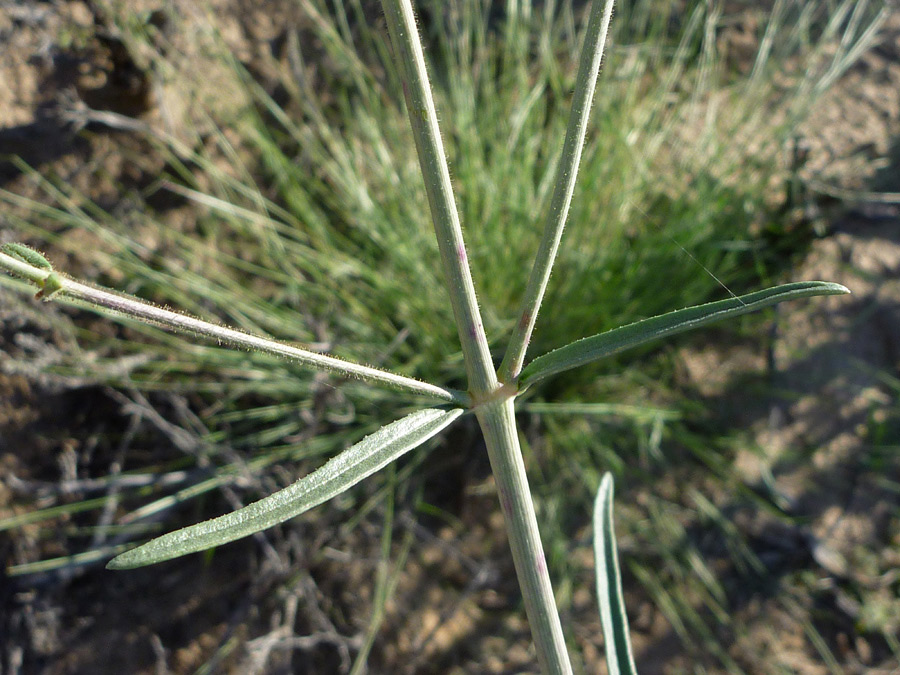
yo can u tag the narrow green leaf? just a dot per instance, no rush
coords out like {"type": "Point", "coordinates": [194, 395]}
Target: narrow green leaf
{"type": "Point", "coordinates": [618, 340]}
{"type": "Point", "coordinates": [26, 254]}
{"type": "Point", "coordinates": [337, 475]}
{"type": "Point", "coordinates": [619, 659]}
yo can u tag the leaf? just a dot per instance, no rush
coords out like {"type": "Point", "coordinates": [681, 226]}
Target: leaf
{"type": "Point", "coordinates": [611, 342]}
{"type": "Point", "coordinates": [26, 254]}
{"type": "Point", "coordinates": [335, 476]}
{"type": "Point", "coordinates": [619, 659]}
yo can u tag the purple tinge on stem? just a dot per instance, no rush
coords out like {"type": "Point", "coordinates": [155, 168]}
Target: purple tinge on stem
{"type": "Point", "coordinates": [505, 502]}
{"type": "Point", "coordinates": [541, 563]}
{"type": "Point", "coordinates": [461, 253]}
{"type": "Point", "coordinates": [525, 324]}
{"type": "Point", "coordinates": [525, 319]}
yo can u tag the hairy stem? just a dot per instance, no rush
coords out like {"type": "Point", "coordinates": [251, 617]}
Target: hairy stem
{"type": "Point", "coordinates": [493, 403]}
{"type": "Point", "coordinates": [585, 83]}
{"type": "Point", "coordinates": [498, 423]}
{"type": "Point", "coordinates": [411, 61]}
{"type": "Point", "coordinates": [181, 323]}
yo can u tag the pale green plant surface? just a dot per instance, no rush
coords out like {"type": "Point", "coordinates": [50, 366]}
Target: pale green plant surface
{"type": "Point", "coordinates": [619, 658]}
{"type": "Point", "coordinates": [360, 461]}
{"type": "Point", "coordinates": [374, 210]}
{"type": "Point", "coordinates": [618, 340]}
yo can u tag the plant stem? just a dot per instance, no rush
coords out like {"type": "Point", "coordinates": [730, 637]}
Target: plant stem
{"type": "Point", "coordinates": [408, 52]}
{"type": "Point", "coordinates": [181, 323]}
{"type": "Point", "coordinates": [585, 83]}
{"type": "Point", "coordinates": [497, 419]}
{"type": "Point", "coordinates": [493, 404]}
{"type": "Point", "coordinates": [24, 270]}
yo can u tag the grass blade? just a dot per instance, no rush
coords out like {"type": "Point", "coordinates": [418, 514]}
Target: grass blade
{"type": "Point", "coordinates": [618, 340]}
{"type": "Point", "coordinates": [337, 475]}
{"type": "Point", "coordinates": [619, 659]}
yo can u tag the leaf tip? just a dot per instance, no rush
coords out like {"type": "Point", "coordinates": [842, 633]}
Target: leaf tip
{"type": "Point", "coordinates": [120, 562]}
{"type": "Point", "coordinates": [605, 491]}
{"type": "Point", "coordinates": [827, 288]}
{"type": "Point", "coordinates": [133, 558]}
{"type": "Point", "coordinates": [842, 290]}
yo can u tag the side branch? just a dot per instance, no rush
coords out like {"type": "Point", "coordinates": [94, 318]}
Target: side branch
{"type": "Point", "coordinates": [180, 323]}
{"type": "Point", "coordinates": [585, 83]}
{"type": "Point", "coordinates": [423, 118]}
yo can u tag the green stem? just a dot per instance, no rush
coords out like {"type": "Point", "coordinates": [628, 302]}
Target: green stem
{"type": "Point", "coordinates": [181, 323]}
{"type": "Point", "coordinates": [25, 270]}
{"type": "Point", "coordinates": [493, 404]}
{"type": "Point", "coordinates": [411, 61]}
{"type": "Point", "coordinates": [498, 423]}
{"type": "Point", "coordinates": [585, 83]}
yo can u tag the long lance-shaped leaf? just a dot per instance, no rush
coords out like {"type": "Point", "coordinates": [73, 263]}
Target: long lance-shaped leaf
{"type": "Point", "coordinates": [619, 659]}
{"type": "Point", "coordinates": [337, 475]}
{"type": "Point", "coordinates": [618, 340]}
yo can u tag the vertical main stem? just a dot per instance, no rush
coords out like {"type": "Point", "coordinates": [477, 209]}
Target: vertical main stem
{"type": "Point", "coordinates": [497, 420]}
{"type": "Point", "coordinates": [493, 404]}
